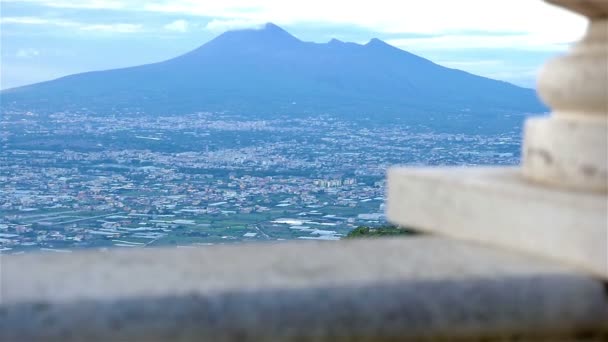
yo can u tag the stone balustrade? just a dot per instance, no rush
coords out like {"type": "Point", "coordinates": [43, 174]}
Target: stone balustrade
{"type": "Point", "coordinates": [360, 290]}
{"type": "Point", "coordinates": [569, 149]}
{"type": "Point", "coordinates": [556, 204]}
{"type": "Point", "coordinates": [520, 253]}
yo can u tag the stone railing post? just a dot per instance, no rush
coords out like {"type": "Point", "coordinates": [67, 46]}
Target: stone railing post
{"type": "Point", "coordinates": [570, 148]}
{"type": "Point", "coordinates": [556, 204]}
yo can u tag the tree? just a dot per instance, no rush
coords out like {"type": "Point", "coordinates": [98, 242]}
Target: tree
{"type": "Point", "coordinates": [389, 230]}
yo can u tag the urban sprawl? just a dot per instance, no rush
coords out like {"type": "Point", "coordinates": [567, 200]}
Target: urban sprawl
{"type": "Point", "coordinates": [73, 180]}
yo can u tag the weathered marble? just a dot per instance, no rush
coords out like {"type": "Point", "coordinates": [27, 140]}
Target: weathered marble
{"type": "Point", "coordinates": [556, 204]}
{"type": "Point", "coordinates": [552, 153]}
{"type": "Point", "coordinates": [499, 207]}
{"type": "Point", "coordinates": [569, 149]}
{"type": "Point", "coordinates": [367, 290]}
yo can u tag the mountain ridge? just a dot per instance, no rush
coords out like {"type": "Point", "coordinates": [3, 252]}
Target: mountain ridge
{"type": "Point", "coordinates": [268, 71]}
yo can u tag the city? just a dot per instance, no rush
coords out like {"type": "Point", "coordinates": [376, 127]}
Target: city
{"type": "Point", "coordinates": [71, 180]}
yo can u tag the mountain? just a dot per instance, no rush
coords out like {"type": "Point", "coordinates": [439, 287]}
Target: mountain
{"type": "Point", "coordinates": [267, 71]}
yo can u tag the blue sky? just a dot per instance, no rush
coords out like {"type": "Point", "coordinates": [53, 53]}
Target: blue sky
{"type": "Point", "coordinates": [502, 39]}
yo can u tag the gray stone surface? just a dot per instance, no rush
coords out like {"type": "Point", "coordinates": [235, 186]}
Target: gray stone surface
{"type": "Point", "coordinates": [351, 290]}
{"type": "Point", "coordinates": [497, 206]}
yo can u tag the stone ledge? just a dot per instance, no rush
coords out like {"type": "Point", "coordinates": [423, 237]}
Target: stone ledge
{"type": "Point", "coordinates": [496, 206]}
{"type": "Point", "coordinates": [418, 287]}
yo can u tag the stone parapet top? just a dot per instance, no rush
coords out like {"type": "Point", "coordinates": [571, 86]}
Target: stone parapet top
{"type": "Point", "coordinates": [417, 287]}
{"type": "Point", "coordinates": [499, 207]}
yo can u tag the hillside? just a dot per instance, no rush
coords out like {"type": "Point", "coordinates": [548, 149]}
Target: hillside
{"type": "Point", "coordinates": [267, 71]}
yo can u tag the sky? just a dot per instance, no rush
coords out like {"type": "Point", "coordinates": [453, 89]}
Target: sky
{"type": "Point", "coordinates": [501, 39]}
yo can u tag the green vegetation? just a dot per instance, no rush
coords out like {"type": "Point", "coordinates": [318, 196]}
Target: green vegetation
{"type": "Point", "coordinates": [364, 232]}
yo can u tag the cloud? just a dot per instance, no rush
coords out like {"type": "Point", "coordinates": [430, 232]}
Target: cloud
{"type": "Point", "coordinates": [221, 25]}
{"type": "Point", "coordinates": [531, 20]}
{"type": "Point", "coordinates": [114, 27]}
{"type": "Point", "coordinates": [222, 9]}
{"type": "Point", "coordinates": [82, 4]}
{"type": "Point", "coordinates": [37, 21]}
{"type": "Point", "coordinates": [530, 41]}
{"type": "Point", "coordinates": [533, 24]}
{"type": "Point", "coordinates": [27, 53]}
{"type": "Point", "coordinates": [177, 26]}
{"type": "Point", "coordinates": [467, 64]}
{"type": "Point", "coordinates": [90, 4]}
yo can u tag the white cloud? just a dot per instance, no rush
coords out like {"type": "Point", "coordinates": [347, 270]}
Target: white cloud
{"type": "Point", "coordinates": [84, 4]}
{"type": "Point", "coordinates": [27, 53]}
{"type": "Point", "coordinates": [114, 27]}
{"type": "Point", "coordinates": [23, 20]}
{"type": "Point", "coordinates": [177, 25]}
{"type": "Point", "coordinates": [223, 9]}
{"type": "Point", "coordinates": [529, 41]}
{"type": "Point", "coordinates": [534, 19]}
{"type": "Point", "coordinates": [467, 64]}
{"type": "Point", "coordinates": [37, 21]}
{"type": "Point", "coordinates": [540, 24]}
{"type": "Point", "coordinates": [90, 4]}
{"type": "Point", "coordinates": [221, 25]}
